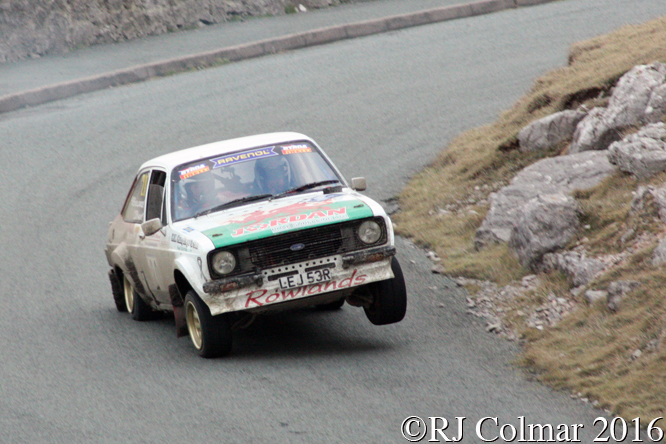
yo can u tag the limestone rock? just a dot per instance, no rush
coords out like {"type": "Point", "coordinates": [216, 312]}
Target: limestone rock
{"type": "Point", "coordinates": [642, 154]}
{"type": "Point", "coordinates": [656, 107]}
{"type": "Point", "coordinates": [618, 290]}
{"type": "Point", "coordinates": [660, 198]}
{"type": "Point", "coordinates": [642, 196]}
{"type": "Point", "coordinates": [628, 106]}
{"type": "Point", "coordinates": [561, 174]}
{"type": "Point", "coordinates": [546, 223]}
{"type": "Point", "coordinates": [438, 269]}
{"type": "Point", "coordinates": [580, 268]}
{"type": "Point", "coordinates": [659, 254]}
{"type": "Point", "coordinates": [592, 133]}
{"type": "Point", "coordinates": [632, 94]}
{"type": "Point", "coordinates": [547, 133]}
{"type": "Point", "coordinates": [592, 296]}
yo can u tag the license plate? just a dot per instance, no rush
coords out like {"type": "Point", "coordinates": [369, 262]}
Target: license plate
{"type": "Point", "coordinates": [309, 278]}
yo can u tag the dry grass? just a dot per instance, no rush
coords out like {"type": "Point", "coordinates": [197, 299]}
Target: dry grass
{"type": "Point", "coordinates": [593, 351]}
{"type": "Point", "coordinates": [444, 204]}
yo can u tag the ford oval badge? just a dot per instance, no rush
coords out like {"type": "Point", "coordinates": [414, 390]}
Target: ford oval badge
{"type": "Point", "coordinates": [297, 247]}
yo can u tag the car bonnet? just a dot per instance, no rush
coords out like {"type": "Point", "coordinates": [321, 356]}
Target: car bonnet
{"type": "Point", "coordinates": [268, 218]}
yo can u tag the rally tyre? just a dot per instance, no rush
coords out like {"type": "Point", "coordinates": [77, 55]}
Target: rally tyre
{"type": "Point", "coordinates": [390, 298]}
{"type": "Point", "coordinates": [210, 335]}
{"type": "Point", "coordinates": [138, 308]}
{"type": "Point", "coordinates": [118, 291]}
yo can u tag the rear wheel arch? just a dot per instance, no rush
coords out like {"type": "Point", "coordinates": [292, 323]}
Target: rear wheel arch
{"type": "Point", "coordinates": [119, 272]}
{"type": "Point", "coordinates": [134, 303]}
{"type": "Point", "coordinates": [119, 257]}
{"type": "Point", "coordinates": [117, 289]}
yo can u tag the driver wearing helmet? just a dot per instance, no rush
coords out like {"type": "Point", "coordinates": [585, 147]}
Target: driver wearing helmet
{"type": "Point", "coordinates": [200, 194]}
{"type": "Point", "coordinates": [272, 175]}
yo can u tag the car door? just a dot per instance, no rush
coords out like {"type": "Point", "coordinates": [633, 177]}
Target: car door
{"type": "Point", "coordinates": [151, 249]}
{"type": "Point", "coordinates": [127, 229]}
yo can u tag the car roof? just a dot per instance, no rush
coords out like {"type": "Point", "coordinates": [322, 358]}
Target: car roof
{"type": "Point", "coordinates": [171, 160]}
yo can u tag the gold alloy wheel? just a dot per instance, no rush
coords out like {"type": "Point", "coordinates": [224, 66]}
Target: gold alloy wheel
{"type": "Point", "coordinates": [193, 325]}
{"type": "Point", "coordinates": [129, 294]}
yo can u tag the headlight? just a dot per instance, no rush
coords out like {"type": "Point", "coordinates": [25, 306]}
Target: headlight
{"type": "Point", "coordinates": [369, 232]}
{"type": "Point", "coordinates": [223, 262]}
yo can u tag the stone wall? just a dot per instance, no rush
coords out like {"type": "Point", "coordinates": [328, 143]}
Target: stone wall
{"type": "Point", "coordinates": [32, 28]}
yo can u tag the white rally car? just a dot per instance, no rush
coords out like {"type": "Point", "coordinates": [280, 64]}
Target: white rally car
{"type": "Point", "coordinates": [222, 232]}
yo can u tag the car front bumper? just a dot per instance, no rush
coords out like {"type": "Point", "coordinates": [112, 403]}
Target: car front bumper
{"type": "Point", "coordinates": [262, 291]}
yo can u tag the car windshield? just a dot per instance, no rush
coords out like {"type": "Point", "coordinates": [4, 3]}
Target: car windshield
{"type": "Point", "coordinates": [228, 180]}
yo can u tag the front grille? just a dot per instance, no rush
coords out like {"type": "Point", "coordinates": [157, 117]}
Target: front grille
{"type": "Point", "coordinates": [276, 250]}
{"type": "Point", "coordinates": [317, 242]}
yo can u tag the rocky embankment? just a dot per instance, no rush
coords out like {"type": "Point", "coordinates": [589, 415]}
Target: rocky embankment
{"type": "Point", "coordinates": [538, 216]}
{"type": "Point", "coordinates": [32, 28]}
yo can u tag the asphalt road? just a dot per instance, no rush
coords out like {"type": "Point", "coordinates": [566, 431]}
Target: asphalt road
{"type": "Point", "coordinates": [73, 370]}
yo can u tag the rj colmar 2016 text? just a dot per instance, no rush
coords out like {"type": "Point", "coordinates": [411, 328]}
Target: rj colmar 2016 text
{"type": "Point", "coordinates": [492, 429]}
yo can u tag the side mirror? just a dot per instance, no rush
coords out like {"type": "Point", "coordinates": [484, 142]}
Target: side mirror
{"type": "Point", "coordinates": [358, 184]}
{"type": "Point", "coordinates": [151, 226]}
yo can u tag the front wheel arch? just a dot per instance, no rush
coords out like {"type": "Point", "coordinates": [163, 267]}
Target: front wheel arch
{"type": "Point", "coordinates": [182, 283]}
{"type": "Point", "coordinates": [389, 303]}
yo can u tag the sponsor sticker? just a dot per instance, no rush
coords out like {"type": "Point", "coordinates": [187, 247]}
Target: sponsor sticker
{"type": "Point", "coordinates": [296, 149]}
{"type": "Point", "coordinates": [193, 171]}
{"type": "Point", "coordinates": [295, 221]}
{"type": "Point", "coordinates": [184, 242]}
{"type": "Point", "coordinates": [259, 298]}
{"type": "Point", "coordinates": [243, 157]}
{"type": "Point", "coordinates": [144, 184]}
{"type": "Point", "coordinates": [266, 220]}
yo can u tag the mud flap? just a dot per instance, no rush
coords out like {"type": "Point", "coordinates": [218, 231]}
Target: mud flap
{"type": "Point", "coordinates": [178, 311]}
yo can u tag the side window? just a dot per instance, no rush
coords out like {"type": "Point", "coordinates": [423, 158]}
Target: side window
{"type": "Point", "coordinates": [136, 201]}
{"type": "Point", "coordinates": [156, 196]}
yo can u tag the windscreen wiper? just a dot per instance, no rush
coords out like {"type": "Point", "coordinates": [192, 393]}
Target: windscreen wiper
{"type": "Point", "coordinates": [305, 187]}
{"type": "Point", "coordinates": [233, 203]}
